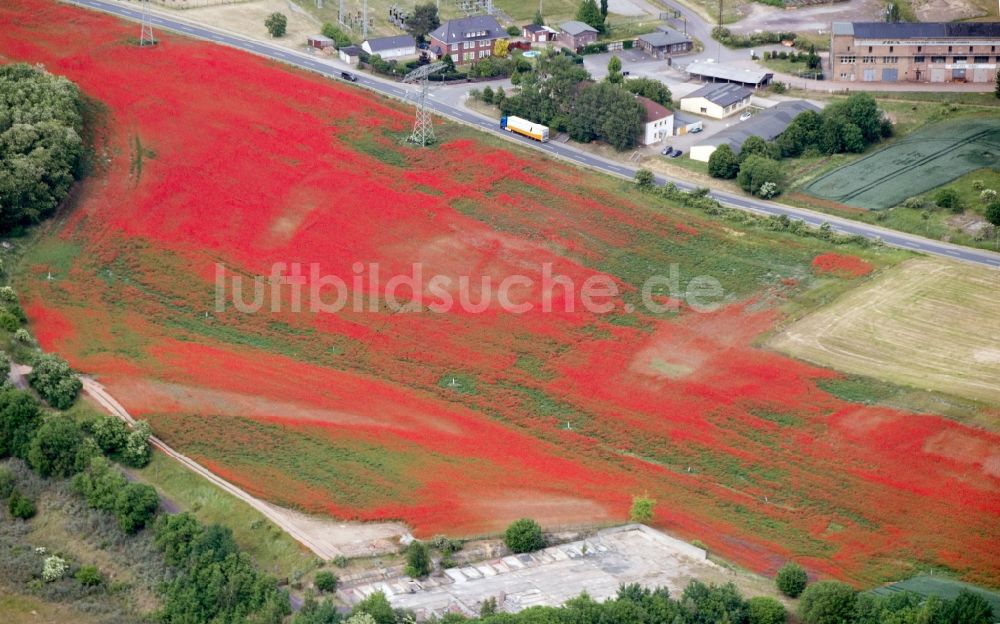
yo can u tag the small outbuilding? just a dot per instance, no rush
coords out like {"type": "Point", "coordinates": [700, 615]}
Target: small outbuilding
{"type": "Point", "coordinates": [320, 42]}
{"type": "Point", "coordinates": [391, 47]}
{"type": "Point", "coordinates": [349, 54]}
{"type": "Point", "coordinates": [575, 35]}
{"type": "Point", "coordinates": [657, 121]}
{"type": "Point", "coordinates": [665, 42]}
{"type": "Point", "coordinates": [538, 34]}
{"type": "Point", "coordinates": [717, 100]}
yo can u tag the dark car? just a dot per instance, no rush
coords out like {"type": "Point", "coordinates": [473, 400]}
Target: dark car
{"type": "Point", "coordinates": [677, 154]}
{"type": "Point", "coordinates": [666, 150]}
{"type": "Point", "coordinates": [348, 76]}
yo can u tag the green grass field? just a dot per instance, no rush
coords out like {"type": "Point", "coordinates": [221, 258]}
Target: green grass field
{"type": "Point", "coordinates": [924, 160]}
{"type": "Point", "coordinates": [942, 588]}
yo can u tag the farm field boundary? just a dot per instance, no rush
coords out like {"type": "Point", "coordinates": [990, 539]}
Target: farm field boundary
{"type": "Point", "coordinates": [926, 159]}
{"type": "Point", "coordinates": [910, 327]}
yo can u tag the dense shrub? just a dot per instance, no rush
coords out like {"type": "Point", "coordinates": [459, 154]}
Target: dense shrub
{"type": "Point", "coordinates": [20, 506]}
{"type": "Point", "coordinates": [41, 150]}
{"type": "Point", "coordinates": [765, 610]}
{"type": "Point", "coordinates": [89, 576]}
{"type": "Point", "coordinates": [524, 535]}
{"type": "Point", "coordinates": [340, 38]}
{"type": "Point", "coordinates": [827, 602]}
{"type": "Point", "coordinates": [109, 433]}
{"type": "Point", "coordinates": [948, 199]}
{"type": "Point", "coordinates": [58, 448]}
{"type": "Point", "coordinates": [418, 560]}
{"type": "Point", "coordinates": [105, 487]}
{"type": "Point", "coordinates": [791, 579]}
{"type": "Point", "coordinates": [642, 509]}
{"type": "Point", "coordinates": [55, 381]}
{"type": "Point", "coordinates": [20, 417]}
{"type": "Point", "coordinates": [732, 40]}
{"type": "Point", "coordinates": [135, 506]}
{"type": "Point", "coordinates": [649, 88]}
{"type": "Point", "coordinates": [276, 23]}
{"type": "Point", "coordinates": [326, 581]}
{"type": "Point", "coordinates": [761, 176]}
{"type": "Point", "coordinates": [723, 163]}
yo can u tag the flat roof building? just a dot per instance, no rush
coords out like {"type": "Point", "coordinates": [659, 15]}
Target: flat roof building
{"type": "Point", "coordinates": [665, 42]}
{"type": "Point", "coordinates": [715, 72]}
{"type": "Point", "coordinates": [905, 52]}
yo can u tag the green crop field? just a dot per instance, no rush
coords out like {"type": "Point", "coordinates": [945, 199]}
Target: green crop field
{"type": "Point", "coordinates": [926, 159]}
{"type": "Point", "coordinates": [940, 587]}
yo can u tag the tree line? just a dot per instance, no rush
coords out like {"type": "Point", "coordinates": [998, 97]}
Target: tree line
{"type": "Point", "coordinates": [850, 125]}
{"type": "Point", "coordinates": [41, 145]}
{"type": "Point", "coordinates": [560, 94]}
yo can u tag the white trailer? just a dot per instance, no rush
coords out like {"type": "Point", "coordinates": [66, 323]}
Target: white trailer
{"type": "Point", "coordinates": [526, 128]}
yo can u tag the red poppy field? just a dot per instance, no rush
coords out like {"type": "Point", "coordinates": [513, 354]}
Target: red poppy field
{"type": "Point", "coordinates": [459, 422]}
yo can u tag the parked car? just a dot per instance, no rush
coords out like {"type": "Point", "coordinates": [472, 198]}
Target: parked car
{"type": "Point", "coordinates": [746, 115]}
{"type": "Point", "coordinates": [677, 154]}
{"type": "Point", "coordinates": [666, 150]}
{"type": "Point", "coordinates": [696, 130]}
{"type": "Point", "coordinates": [348, 76]}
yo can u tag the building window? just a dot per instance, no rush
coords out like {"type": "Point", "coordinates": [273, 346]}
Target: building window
{"type": "Point", "coordinates": [848, 59]}
{"type": "Point", "coordinates": [949, 48]}
{"type": "Point", "coordinates": [868, 59]}
{"type": "Point", "coordinates": [918, 59]}
{"type": "Point", "coordinates": [920, 48]}
{"type": "Point", "coordinates": [869, 49]}
{"type": "Point", "coordinates": [890, 49]}
{"type": "Point", "coordinates": [937, 59]}
{"type": "Point", "coordinates": [889, 60]}
{"type": "Point", "coordinates": [454, 47]}
{"type": "Point", "coordinates": [959, 59]}
{"type": "Point", "coordinates": [982, 59]}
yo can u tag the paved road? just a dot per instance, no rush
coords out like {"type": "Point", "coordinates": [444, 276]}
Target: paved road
{"type": "Point", "coordinates": [564, 151]}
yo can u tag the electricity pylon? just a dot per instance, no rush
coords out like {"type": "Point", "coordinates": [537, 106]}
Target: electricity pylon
{"type": "Point", "coordinates": [423, 126]}
{"type": "Point", "coordinates": [146, 29]}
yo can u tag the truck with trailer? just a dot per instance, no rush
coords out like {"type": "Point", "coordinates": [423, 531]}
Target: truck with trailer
{"type": "Point", "coordinates": [526, 128]}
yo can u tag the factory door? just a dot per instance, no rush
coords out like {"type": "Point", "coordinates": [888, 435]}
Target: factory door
{"type": "Point", "coordinates": [890, 75]}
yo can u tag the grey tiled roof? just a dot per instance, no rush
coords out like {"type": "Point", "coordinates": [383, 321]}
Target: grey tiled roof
{"type": "Point", "coordinates": [721, 93]}
{"type": "Point", "coordinates": [457, 30]}
{"type": "Point", "coordinates": [575, 28]}
{"type": "Point", "coordinates": [767, 124]}
{"type": "Point", "coordinates": [391, 43]}
{"type": "Point", "coordinates": [929, 30]}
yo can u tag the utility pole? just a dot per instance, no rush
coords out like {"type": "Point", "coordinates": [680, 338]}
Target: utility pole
{"type": "Point", "coordinates": [365, 18]}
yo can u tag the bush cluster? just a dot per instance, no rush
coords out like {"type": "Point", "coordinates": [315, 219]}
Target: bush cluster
{"type": "Point", "coordinates": [732, 40]}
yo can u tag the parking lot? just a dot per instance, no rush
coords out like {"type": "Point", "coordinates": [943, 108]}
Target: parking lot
{"type": "Point", "coordinates": [598, 566]}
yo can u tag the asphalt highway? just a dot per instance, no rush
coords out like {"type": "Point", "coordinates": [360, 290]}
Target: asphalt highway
{"type": "Point", "coordinates": [564, 151]}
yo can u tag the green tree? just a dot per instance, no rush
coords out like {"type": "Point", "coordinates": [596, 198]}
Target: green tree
{"type": "Point", "coordinates": [765, 610]}
{"type": "Point", "coordinates": [757, 171]}
{"type": "Point", "coordinates": [340, 38]}
{"type": "Point", "coordinates": [589, 14]}
{"type": "Point", "coordinates": [41, 149]}
{"type": "Point", "coordinates": [423, 20]}
{"type": "Point", "coordinates": [135, 506]}
{"type": "Point", "coordinates": [58, 448]}
{"type": "Point", "coordinates": [813, 60]}
{"type": "Point", "coordinates": [642, 509]}
{"type": "Point", "coordinates": [604, 9]}
{"type": "Point", "coordinates": [892, 14]}
{"type": "Point", "coordinates": [971, 608]}
{"type": "Point", "coordinates": [110, 434]}
{"type": "Point", "coordinates": [378, 607]}
{"type": "Point", "coordinates": [948, 199]}
{"type": "Point", "coordinates": [418, 560]}
{"type": "Point", "coordinates": [523, 536]}
{"type": "Point", "coordinates": [723, 163]}
{"type": "Point", "coordinates": [539, 20]}
{"type": "Point", "coordinates": [276, 23]}
{"type": "Point", "coordinates": [136, 452]}
{"type": "Point", "coordinates": [326, 581]}
{"type": "Point", "coordinates": [827, 602]}
{"type": "Point", "coordinates": [992, 213]}
{"type": "Point", "coordinates": [487, 94]}
{"type": "Point", "coordinates": [650, 88]}
{"type": "Point", "coordinates": [314, 612]}
{"type": "Point", "coordinates": [644, 178]}
{"type": "Point", "coordinates": [753, 145]}
{"type": "Point", "coordinates": [615, 70]}
{"type": "Point", "coordinates": [55, 381]}
{"type": "Point", "coordinates": [851, 139]}
{"type": "Point", "coordinates": [20, 417]}
{"type": "Point", "coordinates": [791, 579]}
{"type": "Point", "coordinates": [20, 506]}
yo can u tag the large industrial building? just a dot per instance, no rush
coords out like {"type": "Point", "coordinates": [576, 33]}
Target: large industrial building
{"type": "Point", "coordinates": [905, 52]}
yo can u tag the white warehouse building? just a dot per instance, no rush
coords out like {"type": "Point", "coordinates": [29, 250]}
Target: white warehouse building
{"type": "Point", "coordinates": [391, 47]}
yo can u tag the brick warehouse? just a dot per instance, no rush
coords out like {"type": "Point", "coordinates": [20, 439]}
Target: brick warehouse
{"type": "Point", "coordinates": [905, 52]}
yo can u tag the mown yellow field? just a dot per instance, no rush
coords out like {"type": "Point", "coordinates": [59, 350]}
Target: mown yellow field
{"type": "Point", "coordinates": [928, 323]}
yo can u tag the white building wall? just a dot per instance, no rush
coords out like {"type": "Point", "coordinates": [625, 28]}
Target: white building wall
{"type": "Point", "coordinates": [702, 152]}
{"type": "Point", "coordinates": [391, 53]}
{"type": "Point", "coordinates": [657, 131]}
{"type": "Point", "coordinates": [695, 105]}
